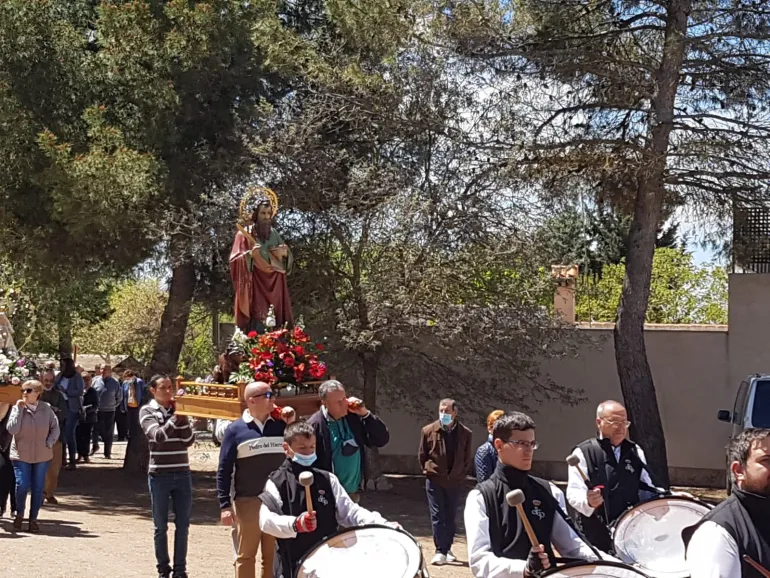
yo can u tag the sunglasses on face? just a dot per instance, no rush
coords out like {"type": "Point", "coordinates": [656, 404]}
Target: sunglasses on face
{"type": "Point", "coordinates": [266, 395]}
{"type": "Point", "coordinates": [28, 390]}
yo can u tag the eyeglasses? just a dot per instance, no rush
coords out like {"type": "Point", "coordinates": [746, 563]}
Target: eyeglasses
{"type": "Point", "coordinates": [523, 444]}
{"type": "Point", "coordinates": [27, 390]}
{"type": "Point", "coordinates": [266, 395]}
{"type": "Point", "coordinates": [625, 424]}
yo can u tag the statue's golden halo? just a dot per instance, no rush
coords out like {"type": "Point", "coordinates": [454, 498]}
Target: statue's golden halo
{"type": "Point", "coordinates": [256, 193]}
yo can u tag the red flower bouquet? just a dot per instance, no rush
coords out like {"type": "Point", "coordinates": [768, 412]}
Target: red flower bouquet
{"type": "Point", "coordinates": [281, 357]}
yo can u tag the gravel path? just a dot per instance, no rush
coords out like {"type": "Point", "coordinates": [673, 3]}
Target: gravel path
{"type": "Point", "coordinates": [102, 525]}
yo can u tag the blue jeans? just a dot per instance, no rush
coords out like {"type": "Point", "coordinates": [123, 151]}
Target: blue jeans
{"type": "Point", "coordinates": [69, 434]}
{"type": "Point", "coordinates": [175, 490]}
{"type": "Point", "coordinates": [29, 477]}
{"type": "Point", "coordinates": [443, 503]}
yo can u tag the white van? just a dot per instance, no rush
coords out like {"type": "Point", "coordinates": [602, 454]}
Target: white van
{"type": "Point", "coordinates": [751, 409]}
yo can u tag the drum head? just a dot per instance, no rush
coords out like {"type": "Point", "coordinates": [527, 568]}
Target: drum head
{"type": "Point", "coordinates": [649, 535]}
{"type": "Point", "coordinates": [371, 551]}
{"type": "Point", "coordinates": [594, 569]}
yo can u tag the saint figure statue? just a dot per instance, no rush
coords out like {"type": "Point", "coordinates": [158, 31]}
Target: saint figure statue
{"type": "Point", "coordinates": [259, 261]}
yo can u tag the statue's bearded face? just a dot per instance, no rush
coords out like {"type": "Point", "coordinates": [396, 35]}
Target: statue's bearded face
{"type": "Point", "coordinates": [262, 218]}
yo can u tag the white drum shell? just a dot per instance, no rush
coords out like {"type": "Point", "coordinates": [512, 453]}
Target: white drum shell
{"type": "Point", "coordinates": [370, 551]}
{"type": "Point", "coordinates": [649, 535]}
{"type": "Point", "coordinates": [595, 570]}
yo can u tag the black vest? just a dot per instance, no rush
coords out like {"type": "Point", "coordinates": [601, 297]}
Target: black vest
{"type": "Point", "coordinates": [285, 478]}
{"type": "Point", "coordinates": [746, 517]}
{"type": "Point", "coordinates": [508, 537]}
{"type": "Point", "coordinates": [621, 481]}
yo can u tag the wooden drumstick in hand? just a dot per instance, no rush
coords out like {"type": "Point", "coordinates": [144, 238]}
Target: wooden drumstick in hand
{"type": "Point", "coordinates": [574, 461]}
{"type": "Point", "coordinates": [515, 499]}
{"type": "Point", "coordinates": [306, 480]}
{"type": "Point", "coordinates": [757, 566]}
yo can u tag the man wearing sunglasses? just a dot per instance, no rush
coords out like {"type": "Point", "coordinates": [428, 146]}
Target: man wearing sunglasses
{"type": "Point", "coordinates": [252, 448]}
{"type": "Point", "coordinates": [497, 544]}
{"type": "Point", "coordinates": [617, 473]}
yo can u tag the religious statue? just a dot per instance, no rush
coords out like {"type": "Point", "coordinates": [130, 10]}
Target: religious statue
{"type": "Point", "coordinates": [259, 261]}
{"type": "Point", "coordinates": [6, 330]}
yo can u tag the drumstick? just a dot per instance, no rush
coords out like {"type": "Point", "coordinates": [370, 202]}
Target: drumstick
{"type": "Point", "coordinates": [515, 499]}
{"type": "Point", "coordinates": [757, 566]}
{"type": "Point", "coordinates": [306, 480]}
{"type": "Point", "coordinates": [574, 461]}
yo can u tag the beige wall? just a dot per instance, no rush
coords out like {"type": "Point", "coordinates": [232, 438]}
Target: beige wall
{"type": "Point", "coordinates": [690, 371]}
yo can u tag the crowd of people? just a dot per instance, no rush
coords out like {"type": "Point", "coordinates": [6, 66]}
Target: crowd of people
{"type": "Point", "coordinates": [265, 454]}
{"type": "Point", "coordinates": [57, 424]}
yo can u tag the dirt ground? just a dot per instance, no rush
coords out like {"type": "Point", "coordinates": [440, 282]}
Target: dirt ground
{"type": "Point", "coordinates": [102, 525]}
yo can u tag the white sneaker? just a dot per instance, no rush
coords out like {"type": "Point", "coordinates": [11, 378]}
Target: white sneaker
{"type": "Point", "coordinates": [451, 557]}
{"type": "Point", "coordinates": [439, 559]}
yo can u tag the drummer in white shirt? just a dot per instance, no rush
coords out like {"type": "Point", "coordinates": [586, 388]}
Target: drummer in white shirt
{"type": "Point", "coordinates": [739, 526]}
{"type": "Point", "coordinates": [498, 546]}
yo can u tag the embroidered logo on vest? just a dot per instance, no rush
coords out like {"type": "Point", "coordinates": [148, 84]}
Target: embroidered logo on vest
{"type": "Point", "coordinates": [322, 497]}
{"type": "Point", "coordinates": [629, 467]}
{"type": "Point", "coordinates": [537, 512]}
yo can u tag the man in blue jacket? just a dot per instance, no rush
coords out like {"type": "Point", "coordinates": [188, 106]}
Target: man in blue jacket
{"type": "Point", "coordinates": [251, 450]}
{"type": "Point", "coordinates": [344, 428]}
{"type": "Point", "coordinates": [110, 395]}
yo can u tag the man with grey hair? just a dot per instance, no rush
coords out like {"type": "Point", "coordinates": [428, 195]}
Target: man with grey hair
{"type": "Point", "coordinates": [344, 428]}
{"type": "Point", "coordinates": [617, 471]}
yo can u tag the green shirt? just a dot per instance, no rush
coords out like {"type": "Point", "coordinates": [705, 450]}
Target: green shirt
{"type": "Point", "coordinates": [346, 468]}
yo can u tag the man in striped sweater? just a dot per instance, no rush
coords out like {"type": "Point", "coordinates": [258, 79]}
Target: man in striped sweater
{"type": "Point", "coordinates": [169, 435]}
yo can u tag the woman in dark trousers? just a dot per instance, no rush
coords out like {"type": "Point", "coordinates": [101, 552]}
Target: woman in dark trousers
{"type": "Point", "coordinates": [7, 477]}
{"type": "Point", "coordinates": [88, 419]}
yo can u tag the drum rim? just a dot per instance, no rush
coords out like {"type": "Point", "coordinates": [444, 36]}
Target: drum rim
{"type": "Point", "coordinates": [628, 510]}
{"type": "Point", "coordinates": [595, 563]}
{"type": "Point", "coordinates": [320, 543]}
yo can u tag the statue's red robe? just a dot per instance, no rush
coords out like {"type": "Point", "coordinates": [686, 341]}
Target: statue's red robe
{"type": "Point", "coordinates": [256, 286]}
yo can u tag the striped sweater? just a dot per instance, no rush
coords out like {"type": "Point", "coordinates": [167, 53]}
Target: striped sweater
{"type": "Point", "coordinates": [169, 436]}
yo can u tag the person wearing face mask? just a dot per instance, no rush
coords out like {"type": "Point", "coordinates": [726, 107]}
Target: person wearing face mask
{"type": "Point", "coordinates": [445, 458]}
{"type": "Point", "coordinates": [284, 514]}
{"type": "Point", "coordinates": [251, 449]}
{"type": "Point", "coordinates": [497, 546]}
{"type": "Point", "coordinates": [739, 526]}
{"type": "Point", "coordinates": [486, 456]}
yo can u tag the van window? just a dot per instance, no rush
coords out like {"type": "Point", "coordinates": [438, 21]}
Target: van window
{"type": "Point", "coordinates": [760, 413]}
{"type": "Point", "coordinates": [740, 403]}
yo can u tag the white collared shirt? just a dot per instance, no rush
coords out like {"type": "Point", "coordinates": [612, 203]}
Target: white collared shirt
{"type": "Point", "coordinates": [482, 560]}
{"type": "Point", "coordinates": [713, 553]}
{"type": "Point", "coordinates": [349, 514]}
{"type": "Point", "coordinates": [248, 418]}
{"type": "Point", "coordinates": [576, 488]}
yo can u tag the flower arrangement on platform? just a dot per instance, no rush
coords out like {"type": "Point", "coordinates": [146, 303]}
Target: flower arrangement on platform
{"type": "Point", "coordinates": [280, 358]}
{"type": "Point", "coordinates": [15, 369]}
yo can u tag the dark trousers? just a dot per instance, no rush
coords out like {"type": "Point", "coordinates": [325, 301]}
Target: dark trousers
{"type": "Point", "coordinates": [121, 420]}
{"type": "Point", "coordinates": [7, 482]}
{"type": "Point", "coordinates": [107, 430]}
{"type": "Point", "coordinates": [83, 434]}
{"type": "Point", "coordinates": [174, 491]}
{"type": "Point", "coordinates": [443, 503]}
{"type": "Point", "coordinates": [132, 415]}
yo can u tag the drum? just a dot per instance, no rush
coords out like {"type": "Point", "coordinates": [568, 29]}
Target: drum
{"type": "Point", "coordinates": [372, 551]}
{"type": "Point", "coordinates": [649, 535]}
{"type": "Point", "coordinates": [594, 569]}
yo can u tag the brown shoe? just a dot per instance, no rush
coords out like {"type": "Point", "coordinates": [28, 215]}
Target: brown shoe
{"type": "Point", "coordinates": [17, 522]}
{"type": "Point", "coordinates": [33, 527]}
{"type": "Point", "coordinates": [51, 500]}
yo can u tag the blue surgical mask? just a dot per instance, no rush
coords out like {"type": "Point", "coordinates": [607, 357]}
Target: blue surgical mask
{"type": "Point", "coordinates": [445, 418]}
{"type": "Point", "coordinates": [304, 460]}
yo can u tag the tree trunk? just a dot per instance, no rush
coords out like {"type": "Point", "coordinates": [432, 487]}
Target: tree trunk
{"type": "Point", "coordinates": [64, 329]}
{"type": "Point", "coordinates": [137, 460]}
{"type": "Point", "coordinates": [173, 323]}
{"type": "Point", "coordinates": [630, 353]}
